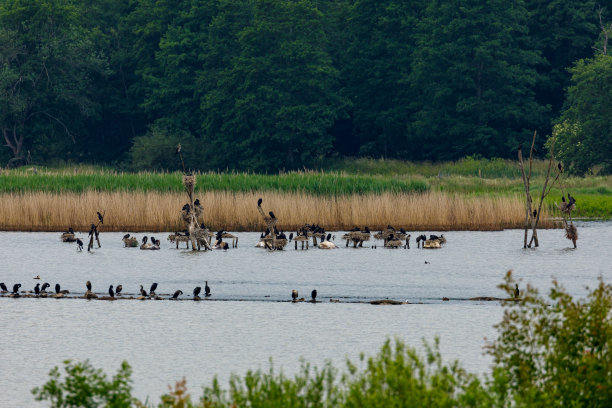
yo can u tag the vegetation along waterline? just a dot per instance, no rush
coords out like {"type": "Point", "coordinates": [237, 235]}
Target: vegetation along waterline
{"type": "Point", "coordinates": [237, 211]}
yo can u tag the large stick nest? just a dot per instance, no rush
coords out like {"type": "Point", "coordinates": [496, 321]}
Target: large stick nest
{"type": "Point", "coordinates": [571, 232]}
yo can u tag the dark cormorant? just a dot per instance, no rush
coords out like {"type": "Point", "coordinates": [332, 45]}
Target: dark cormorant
{"type": "Point", "coordinates": [259, 202]}
{"type": "Point", "coordinates": [142, 291]}
{"type": "Point", "coordinates": [560, 167]}
{"type": "Point", "coordinates": [44, 287]}
{"type": "Point", "coordinates": [70, 230]}
{"type": "Point", "coordinates": [144, 239]}
{"type": "Point", "coordinates": [119, 289]}
{"type": "Point", "coordinates": [272, 215]}
{"type": "Point", "coordinates": [92, 229]}
{"type": "Point", "coordinates": [57, 288]}
{"type": "Point", "coordinates": [110, 291]}
{"type": "Point", "coordinates": [206, 289]}
{"type": "Point", "coordinates": [177, 293]}
{"type": "Point", "coordinates": [535, 213]}
{"type": "Point", "coordinates": [366, 230]}
{"type": "Point", "coordinates": [328, 237]}
{"type": "Point", "coordinates": [196, 202]}
{"type": "Point", "coordinates": [100, 217]}
{"type": "Point", "coordinates": [37, 289]}
{"type": "Point", "coordinates": [313, 295]}
{"type": "Point", "coordinates": [571, 199]}
{"type": "Point", "coordinates": [516, 291]}
{"type": "Point", "coordinates": [294, 295]}
{"type": "Point", "coordinates": [126, 236]}
{"type": "Point", "coordinates": [16, 288]}
{"type": "Point", "coordinates": [290, 237]}
{"type": "Point", "coordinates": [196, 291]}
{"type": "Point", "coordinates": [186, 208]}
{"type": "Point", "coordinates": [88, 284]}
{"type": "Point", "coordinates": [152, 288]}
{"type": "Point", "coordinates": [563, 198]}
{"type": "Point", "coordinates": [432, 237]}
{"type": "Point", "coordinates": [79, 244]}
{"type": "Point", "coordinates": [3, 287]}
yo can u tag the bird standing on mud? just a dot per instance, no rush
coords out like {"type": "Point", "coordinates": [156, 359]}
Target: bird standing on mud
{"type": "Point", "coordinates": [206, 289]}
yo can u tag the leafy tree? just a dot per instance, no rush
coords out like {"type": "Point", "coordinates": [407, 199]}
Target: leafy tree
{"type": "Point", "coordinates": [473, 76]}
{"type": "Point", "coordinates": [554, 352]}
{"type": "Point", "coordinates": [46, 63]}
{"type": "Point", "coordinates": [84, 386]}
{"type": "Point", "coordinates": [586, 124]}
{"type": "Point", "coordinates": [271, 104]}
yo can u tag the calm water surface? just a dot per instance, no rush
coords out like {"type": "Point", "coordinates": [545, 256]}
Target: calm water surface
{"type": "Point", "coordinates": [251, 322]}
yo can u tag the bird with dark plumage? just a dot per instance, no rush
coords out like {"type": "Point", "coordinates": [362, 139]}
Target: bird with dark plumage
{"type": "Point", "coordinates": [142, 291]}
{"type": "Point", "coordinates": [16, 288]}
{"type": "Point", "coordinates": [110, 291]}
{"type": "Point", "coordinates": [79, 244]}
{"type": "Point", "coordinates": [37, 289]}
{"type": "Point", "coordinates": [517, 292]}
{"type": "Point", "coordinates": [313, 295]}
{"type": "Point", "coordinates": [152, 288]}
{"type": "Point", "coordinates": [294, 295]}
{"type": "Point", "coordinates": [206, 289]}
{"type": "Point", "coordinates": [88, 285]}
{"type": "Point", "coordinates": [3, 287]}
{"type": "Point", "coordinates": [272, 215]}
{"type": "Point", "coordinates": [126, 236]}
{"type": "Point", "coordinates": [144, 239]}
{"type": "Point", "coordinates": [57, 288]}
{"type": "Point", "coordinates": [196, 291]}
{"type": "Point", "coordinates": [118, 289]}
{"type": "Point", "coordinates": [259, 202]}
{"type": "Point", "coordinates": [560, 167]}
{"type": "Point", "coordinates": [92, 229]}
{"type": "Point", "coordinates": [290, 237]}
{"type": "Point", "coordinates": [535, 213]}
{"type": "Point", "coordinates": [100, 217]}
{"type": "Point", "coordinates": [176, 294]}
{"type": "Point", "coordinates": [44, 287]}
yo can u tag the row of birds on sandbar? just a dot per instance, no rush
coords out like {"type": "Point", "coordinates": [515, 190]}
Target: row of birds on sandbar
{"type": "Point", "coordinates": [113, 292]}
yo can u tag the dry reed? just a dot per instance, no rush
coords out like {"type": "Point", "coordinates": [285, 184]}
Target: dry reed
{"type": "Point", "coordinates": [155, 211]}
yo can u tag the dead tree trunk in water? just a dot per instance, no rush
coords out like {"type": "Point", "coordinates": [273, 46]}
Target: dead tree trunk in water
{"type": "Point", "coordinates": [532, 217]}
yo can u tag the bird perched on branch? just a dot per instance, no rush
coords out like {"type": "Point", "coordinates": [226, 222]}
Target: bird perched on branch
{"type": "Point", "coordinates": [142, 291]}
{"type": "Point", "coordinates": [272, 215]}
{"type": "Point", "coordinates": [100, 217]}
{"type": "Point", "coordinates": [206, 289]}
{"type": "Point", "coordinates": [259, 202]}
{"type": "Point", "coordinates": [313, 295]}
{"type": "Point", "coordinates": [517, 292]}
{"type": "Point", "coordinates": [560, 167]}
{"type": "Point", "coordinates": [118, 289]}
{"type": "Point", "coordinates": [152, 289]}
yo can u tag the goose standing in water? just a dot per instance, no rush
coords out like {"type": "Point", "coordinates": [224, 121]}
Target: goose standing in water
{"type": "Point", "coordinates": [206, 289]}
{"type": "Point", "coordinates": [79, 244]}
{"type": "Point", "coordinates": [110, 291]}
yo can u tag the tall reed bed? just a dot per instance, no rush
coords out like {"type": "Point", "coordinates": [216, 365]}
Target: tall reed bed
{"type": "Point", "coordinates": [236, 211]}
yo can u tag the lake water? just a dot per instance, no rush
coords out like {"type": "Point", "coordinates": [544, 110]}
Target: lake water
{"type": "Point", "coordinates": [250, 319]}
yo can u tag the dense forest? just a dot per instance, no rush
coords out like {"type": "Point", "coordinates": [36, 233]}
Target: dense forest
{"type": "Point", "coordinates": [264, 85]}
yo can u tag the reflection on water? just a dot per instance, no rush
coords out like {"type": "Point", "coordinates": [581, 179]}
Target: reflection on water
{"type": "Point", "coordinates": [166, 340]}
